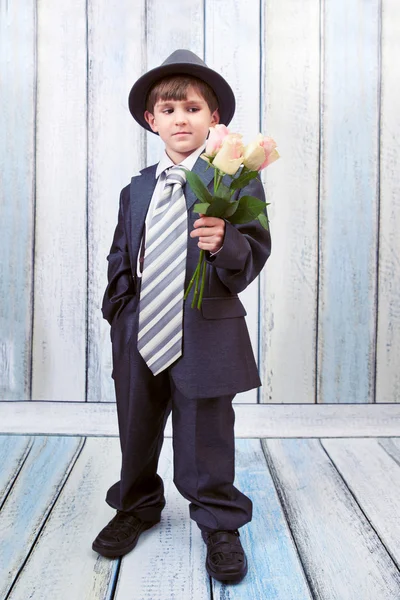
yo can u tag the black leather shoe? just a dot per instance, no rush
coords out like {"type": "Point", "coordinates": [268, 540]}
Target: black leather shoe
{"type": "Point", "coordinates": [120, 535]}
{"type": "Point", "coordinates": [226, 559]}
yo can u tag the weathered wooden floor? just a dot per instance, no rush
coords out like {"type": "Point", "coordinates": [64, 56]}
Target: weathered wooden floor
{"type": "Point", "coordinates": [326, 523]}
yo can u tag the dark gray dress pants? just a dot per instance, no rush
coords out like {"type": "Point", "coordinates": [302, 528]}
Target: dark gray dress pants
{"type": "Point", "coordinates": [203, 441]}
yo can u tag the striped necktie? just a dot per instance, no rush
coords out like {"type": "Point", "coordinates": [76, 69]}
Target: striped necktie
{"type": "Point", "coordinates": [163, 277]}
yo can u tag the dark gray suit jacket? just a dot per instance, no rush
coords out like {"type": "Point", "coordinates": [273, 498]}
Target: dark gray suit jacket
{"type": "Point", "coordinates": [217, 355]}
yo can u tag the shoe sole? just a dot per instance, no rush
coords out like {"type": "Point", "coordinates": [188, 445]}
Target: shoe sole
{"type": "Point", "coordinates": [122, 551]}
{"type": "Point", "coordinates": [228, 577]}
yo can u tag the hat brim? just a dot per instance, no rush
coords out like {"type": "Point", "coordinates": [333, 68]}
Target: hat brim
{"type": "Point", "coordinates": [222, 90]}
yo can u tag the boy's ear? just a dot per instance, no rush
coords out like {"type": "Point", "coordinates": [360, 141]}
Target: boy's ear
{"type": "Point", "coordinates": [215, 117]}
{"type": "Point", "coordinates": [150, 118]}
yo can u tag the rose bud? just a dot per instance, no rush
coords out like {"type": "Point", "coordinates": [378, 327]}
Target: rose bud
{"type": "Point", "coordinates": [215, 139]}
{"type": "Point", "coordinates": [260, 153]}
{"type": "Point", "coordinates": [230, 157]}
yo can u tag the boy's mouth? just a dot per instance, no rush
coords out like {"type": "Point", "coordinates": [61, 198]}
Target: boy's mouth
{"type": "Point", "coordinates": [182, 133]}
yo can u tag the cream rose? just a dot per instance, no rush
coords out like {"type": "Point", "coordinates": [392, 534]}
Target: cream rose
{"type": "Point", "coordinates": [260, 153]}
{"type": "Point", "coordinates": [230, 156]}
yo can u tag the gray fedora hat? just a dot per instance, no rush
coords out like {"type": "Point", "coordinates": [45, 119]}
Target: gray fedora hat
{"type": "Point", "coordinates": [182, 62]}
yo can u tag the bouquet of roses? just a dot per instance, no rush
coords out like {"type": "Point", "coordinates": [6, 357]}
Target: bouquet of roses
{"type": "Point", "coordinates": [226, 153]}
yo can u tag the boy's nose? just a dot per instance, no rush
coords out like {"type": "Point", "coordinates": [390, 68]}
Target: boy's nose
{"type": "Point", "coordinates": [180, 118]}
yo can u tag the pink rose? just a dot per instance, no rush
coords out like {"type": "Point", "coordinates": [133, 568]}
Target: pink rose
{"type": "Point", "coordinates": [215, 139]}
{"type": "Point", "coordinates": [230, 157]}
{"type": "Point", "coordinates": [260, 153]}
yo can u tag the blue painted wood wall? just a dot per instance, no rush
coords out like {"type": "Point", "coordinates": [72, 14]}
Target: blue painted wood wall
{"type": "Point", "coordinates": [320, 77]}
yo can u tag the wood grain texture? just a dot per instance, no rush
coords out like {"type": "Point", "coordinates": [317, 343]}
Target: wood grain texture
{"type": "Point", "coordinates": [232, 48]}
{"type": "Point", "coordinates": [290, 115]}
{"type": "Point", "coordinates": [30, 500]}
{"type": "Point", "coordinates": [62, 564]}
{"type": "Point", "coordinates": [13, 453]}
{"type": "Point", "coordinates": [332, 534]}
{"type": "Point", "coordinates": [252, 420]}
{"type": "Point", "coordinates": [17, 194]}
{"type": "Point", "coordinates": [348, 217]}
{"type": "Point", "coordinates": [371, 470]}
{"type": "Point", "coordinates": [275, 571]}
{"type": "Point", "coordinates": [388, 334]}
{"type": "Point", "coordinates": [171, 555]}
{"type": "Point", "coordinates": [116, 151]}
{"type": "Point", "coordinates": [168, 28]}
{"type": "Point", "coordinates": [59, 334]}
{"type": "Point", "coordinates": [319, 77]}
{"type": "Point", "coordinates": [324, 523]}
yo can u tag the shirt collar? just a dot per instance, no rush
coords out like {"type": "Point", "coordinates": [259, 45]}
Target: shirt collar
{"type": "Point", "coordinates": [188, 162]}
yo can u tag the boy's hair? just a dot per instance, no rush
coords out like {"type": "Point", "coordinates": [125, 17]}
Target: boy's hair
{"type": "Point", "coordinates": [174, 87]}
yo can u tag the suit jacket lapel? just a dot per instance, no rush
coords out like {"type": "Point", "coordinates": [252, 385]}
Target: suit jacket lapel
{"type": "Point", "coordinates": [142, 188]}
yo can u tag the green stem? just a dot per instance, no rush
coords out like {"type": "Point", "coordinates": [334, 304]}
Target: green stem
{"type": "Point", "coordinates": [191, 281]}
{"type": "Point", "coordinates": [197, 277]}
{"type": "Point", "coordinates": [217, 180]}
{"type": "Point", "coordinates": [203, 280]}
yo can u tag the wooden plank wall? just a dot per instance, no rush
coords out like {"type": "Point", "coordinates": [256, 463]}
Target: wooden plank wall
{"type": "Point", "coordinates": [290, 114]}
{"type": "Point", "coordinates": [116, 55]}
{"type": "Point", "coordinates": [60, 253]}
{"type": "Point", "coordinates": [319, 77]}
{"type": "Point", "coordinates": [17, 195]}
{"type": "Point", "coordinates": [388, 329]}
{"type": "Point", "coordinates": [349, 202]}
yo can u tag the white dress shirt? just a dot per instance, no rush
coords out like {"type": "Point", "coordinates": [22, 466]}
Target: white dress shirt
{"type": "Point", "coordinates": [164, 164]}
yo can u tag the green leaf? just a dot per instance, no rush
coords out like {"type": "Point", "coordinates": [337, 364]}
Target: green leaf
{"type": "Point", "coordinates": [217, 208]}
{"type": "Point", "coordinates": [231, 208]}
{"type": "Point", "coordinates": [262, 217]}
{"type": "Point", "coordinates": [243, 180]}
{"type": "Point", "coordinates": [201, 208]}
{"type": "Point", "coordinates": [224, 192]}
{"type": "Point", "coordinates": [249, 208]}
{"type": "Point", "coordinates": [198, 187]}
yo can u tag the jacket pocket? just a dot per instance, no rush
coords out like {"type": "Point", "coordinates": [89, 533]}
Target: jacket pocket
{"type": "Point", "coordinates": [222, 308]}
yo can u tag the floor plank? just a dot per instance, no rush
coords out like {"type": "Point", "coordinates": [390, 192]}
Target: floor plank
{"type": "Point", "coordinates": [342, 555]}
{"type": "Point", "coordinates": [275, 571]}
{"type": "Point", "coordinates": [169, 561]}
{"type": "Point", "coordinates": [13, 452]}
{"type": "Point", "coordinates": [30, 500]}
{"type": "Point", "coordinates": [62, 564]}
{"type": "Point", "coordinates": [372, 473]}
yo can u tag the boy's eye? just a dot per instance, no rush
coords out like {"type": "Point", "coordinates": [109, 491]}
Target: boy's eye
{"type": "Point", "coordinates": [191, 109]}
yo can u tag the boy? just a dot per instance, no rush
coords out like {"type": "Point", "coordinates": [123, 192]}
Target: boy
{"type": "Point", "coordinates": [166, 355]}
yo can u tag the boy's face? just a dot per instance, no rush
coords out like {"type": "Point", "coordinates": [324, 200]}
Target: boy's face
{"type": "Point", "coordinates": [182, 124]}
